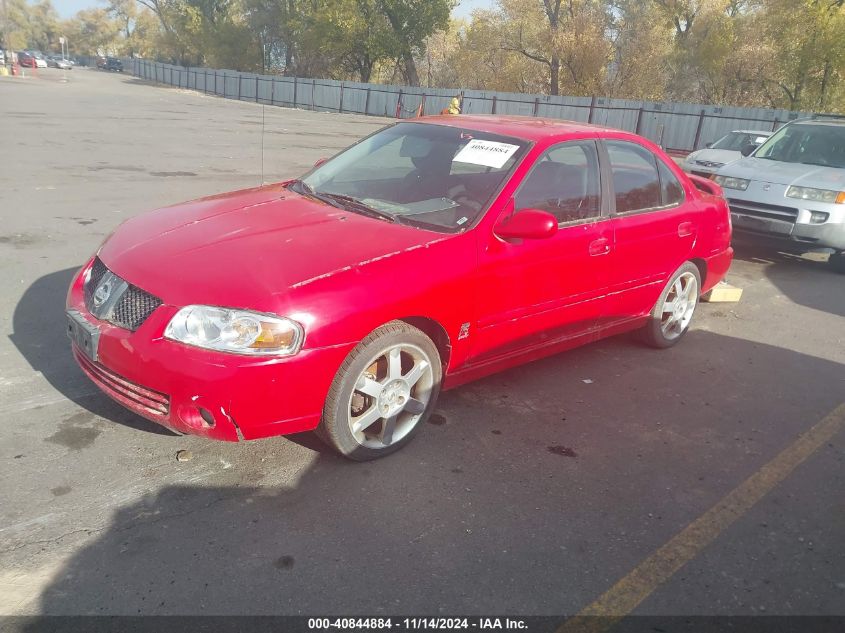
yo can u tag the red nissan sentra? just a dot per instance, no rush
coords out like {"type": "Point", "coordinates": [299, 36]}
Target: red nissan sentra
{"type": "Point", "coordinates": [428, 254]}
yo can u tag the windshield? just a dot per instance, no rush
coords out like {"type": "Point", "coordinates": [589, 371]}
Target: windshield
{"type": "Point", "coordinates": [437, 176]}
{"type": "Point", "coordinates": [809, 144]}
{"type": "Point", "coordinates": [737, 140]}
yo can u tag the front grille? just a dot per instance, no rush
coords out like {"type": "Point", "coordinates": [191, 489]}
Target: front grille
{"type": "Point", "coordinates": [763, 210]}
{"type": "Point", "coordinates": [128, 306]}
{"type": "Point", "coordinates": [128, 393]}
{"type": "Point", "coordinates": [133, 308]}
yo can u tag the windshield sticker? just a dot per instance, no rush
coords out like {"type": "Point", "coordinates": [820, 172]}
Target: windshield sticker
{"type": "Point", "coordinates": [486, 153]}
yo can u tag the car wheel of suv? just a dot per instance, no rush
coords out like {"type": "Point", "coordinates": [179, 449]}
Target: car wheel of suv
{"type": "Point", "coordinates": [672, 314]}
{"type": "Point", "coordinates": [837, 262]}
{"type": "Point", "coordinates": [382, 393]}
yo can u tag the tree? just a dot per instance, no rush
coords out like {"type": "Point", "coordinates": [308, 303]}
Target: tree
{"type": "Point", "coordinates": [808, 50]}
{"type": "Point", "coordinates": [411, 22]}
{"type": "Point", "coordinates": [92, 32]}
{"type": "Point", "coordinates": [641, 42]}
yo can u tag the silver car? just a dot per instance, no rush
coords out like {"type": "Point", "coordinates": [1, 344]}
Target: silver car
{"type": "Point", "coordinates": [792, 188]}
{"type": "Point", "coordinates": [727, 149]}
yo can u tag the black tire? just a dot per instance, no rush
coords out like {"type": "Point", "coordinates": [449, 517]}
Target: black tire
{"type": "Point", "coordinates": [335, 426]}
{"type": "Point", "coordinates": [654, 333]}
{"type": "Point", "coordinates": [837, 263]}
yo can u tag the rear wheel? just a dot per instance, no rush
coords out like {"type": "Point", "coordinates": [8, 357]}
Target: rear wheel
{"type": "Point", "coordinates": [837, 262]}
{"type": "Point", "coordinates": [382, 393]}
{"type": "Point", "coordinates": [672, 314]}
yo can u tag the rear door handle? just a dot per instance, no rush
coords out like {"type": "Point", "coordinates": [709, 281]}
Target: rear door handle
{"type": "Point", "coordinates": [600, 246]}
{"type": "Point", "coordinates": [685, 229]}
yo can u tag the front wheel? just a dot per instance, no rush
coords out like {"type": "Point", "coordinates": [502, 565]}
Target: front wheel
{"type": "Point", "coordinates": [672, 314]}
{"type": "Point", "coordinates": [382, 393]}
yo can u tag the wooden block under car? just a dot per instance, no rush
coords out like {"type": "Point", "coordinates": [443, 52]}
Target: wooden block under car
{"type": "Point", "coordinates": [723, 292]}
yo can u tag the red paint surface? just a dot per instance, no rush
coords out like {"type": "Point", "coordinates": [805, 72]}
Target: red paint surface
{"type": "Point", "coordinates": [343, 275]}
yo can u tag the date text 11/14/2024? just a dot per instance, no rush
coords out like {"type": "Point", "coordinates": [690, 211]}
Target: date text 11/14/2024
{"type": "Point", "coordinates": [419, 623]}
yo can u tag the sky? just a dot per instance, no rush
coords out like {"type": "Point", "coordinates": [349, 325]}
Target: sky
{"type": "Point", "coordinates": [67, 8]}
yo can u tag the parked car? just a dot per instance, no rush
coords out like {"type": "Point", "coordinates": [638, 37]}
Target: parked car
{"type": "Point", "coordinates": [791, 190]}
{"type": "Point", "coordinates": [429, 254]}
{"type": "Point", "coordinates": [40, 60]}
{"type": "Point", "coordinates": [113, 63]}
{"type": "Point", "coordinates": [26, 60]}
{"type": "Point", "coordinates": [56, 61]}
{"type": "Point", "coordinates": [101, 63]}
{"type": "Point", "coordinates": [727, 149]}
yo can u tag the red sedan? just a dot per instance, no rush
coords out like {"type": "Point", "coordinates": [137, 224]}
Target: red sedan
{"type": "Point", "coordinates": [426, 255]}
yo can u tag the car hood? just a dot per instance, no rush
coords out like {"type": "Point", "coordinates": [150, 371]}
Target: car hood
{"type": "Point", "coordinates": [723, 156]}
{"type": "Point", "coordinates": [777, 172]}
{"type": "Point", "coordinates": [250, 248]}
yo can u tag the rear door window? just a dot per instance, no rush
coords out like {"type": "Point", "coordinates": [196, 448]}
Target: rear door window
{"type": "Point", "coordinates": [635, 180]}
{"type": "Point", "coordinates": [671, 191]}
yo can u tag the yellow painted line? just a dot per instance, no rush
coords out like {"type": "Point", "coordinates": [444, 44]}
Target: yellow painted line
{"type": "Point", "coordinates": [642, 581]}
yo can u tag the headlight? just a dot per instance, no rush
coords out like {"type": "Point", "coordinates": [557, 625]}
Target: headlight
{"type": "Point", "coordinates": [235, 331]}
{"type": "Point", "coordinates": [816, 195]}
{"type": "Point", "coordinates": [728, 182]}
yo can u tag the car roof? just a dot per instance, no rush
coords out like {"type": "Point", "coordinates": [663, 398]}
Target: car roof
{"type": "Point", "coordinates": [523, 127]}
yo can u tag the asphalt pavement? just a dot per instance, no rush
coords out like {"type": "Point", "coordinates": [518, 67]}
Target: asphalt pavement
{"type": "Point", "coordinates": [534, 491]}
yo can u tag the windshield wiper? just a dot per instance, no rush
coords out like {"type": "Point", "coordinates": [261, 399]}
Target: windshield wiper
{"type": "Point", "coordinates": [340, 201]}
{"type": "Point", "coordinates": [353, 204]}
{"type": "Point", "coordinates": [305, 189]}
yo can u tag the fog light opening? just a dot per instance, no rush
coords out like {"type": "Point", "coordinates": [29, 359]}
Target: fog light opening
{"type": "Point", "coordinates": [818, 217]}
{"type": "Point", "coordinates": [206, 416]}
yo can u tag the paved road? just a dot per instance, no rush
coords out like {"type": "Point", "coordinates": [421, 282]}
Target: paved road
{"type": "Point", "coordinates": [536, 491]}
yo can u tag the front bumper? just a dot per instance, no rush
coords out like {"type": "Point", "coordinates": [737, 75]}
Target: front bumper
{"type": "Point", "coordinates": [201, 392]}
{"type": "Point", "coordinates": [765, 211]}
{"type": "Point", "coordinates": [798, 235]}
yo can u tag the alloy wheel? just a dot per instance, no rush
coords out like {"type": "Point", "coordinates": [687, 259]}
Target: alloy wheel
{"type": "Point", "coordinates": [390, 396]}
{"type": "Point", "coordinates": [679, 305]}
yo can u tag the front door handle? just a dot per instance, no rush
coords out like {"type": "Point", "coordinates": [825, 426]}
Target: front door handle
{"type": "Point", "coordinates": [685, 229]}
{"type": "Point", "coordinates": [600, 246]}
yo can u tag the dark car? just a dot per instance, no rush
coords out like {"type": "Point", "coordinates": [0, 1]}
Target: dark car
{"type": "Point", "coordinates": [113, 63]}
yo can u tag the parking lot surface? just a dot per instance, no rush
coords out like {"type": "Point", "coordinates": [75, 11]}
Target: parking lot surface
{"type": "Point", "coordinates": [535, 491]}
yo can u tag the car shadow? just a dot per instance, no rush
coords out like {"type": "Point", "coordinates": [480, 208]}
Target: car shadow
{"type": "Point", "coordinates": [789, 273]}
{"type": "Point", "coordinates": [532, 481]}
{"type": "Point", "coordinates": [39, 333]}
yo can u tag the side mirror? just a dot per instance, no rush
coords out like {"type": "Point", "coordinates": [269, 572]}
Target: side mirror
{"type": "Point", "coordinates": [748, 149]}
{"type": "Point", "coordinates": [320, 161]}
{"type": "Point", "coordinates": [528, 224]}
{"type": "Point", "coordinates": [708, 145]}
